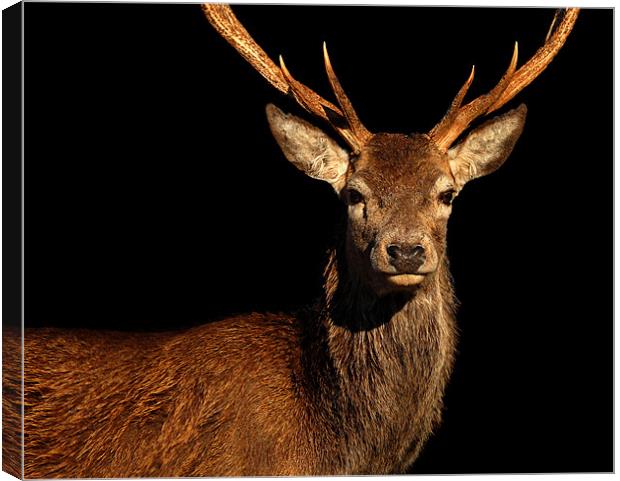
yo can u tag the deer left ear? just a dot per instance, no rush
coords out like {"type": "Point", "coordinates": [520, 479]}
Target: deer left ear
{"type": "Point", "coordinates": [309, 148]}
{"type": "Point", "coordinates": [486, 148]}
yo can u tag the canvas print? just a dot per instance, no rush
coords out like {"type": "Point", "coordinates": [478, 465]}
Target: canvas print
{"type": "Point", "coordinates": [311, 240]}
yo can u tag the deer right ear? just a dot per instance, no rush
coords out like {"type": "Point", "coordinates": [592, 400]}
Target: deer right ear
{"type": "Point", "coordinates": [487, 147]}
{"type": "Point", "coordinates": [309, 148]}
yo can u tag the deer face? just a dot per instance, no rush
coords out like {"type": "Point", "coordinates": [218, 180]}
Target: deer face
{"type": "Point", "coordinates": [398, 190]}
{"type": "Point", "coordinates": [398, 197]}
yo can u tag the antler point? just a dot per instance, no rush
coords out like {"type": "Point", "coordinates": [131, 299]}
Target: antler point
{"type": "Point", "coordinates": [282, 65]}
{"type": "Point", "coordinates": [328, 63]}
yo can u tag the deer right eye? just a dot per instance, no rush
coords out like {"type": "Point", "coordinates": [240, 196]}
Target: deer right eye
{"type": "Point", "coordinates": [354, 197]}
{"type": "Point", "coordinates": [447, 197]}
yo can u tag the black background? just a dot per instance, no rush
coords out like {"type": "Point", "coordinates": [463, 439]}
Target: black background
{"type": "Point", "coordinates": [156, 197]}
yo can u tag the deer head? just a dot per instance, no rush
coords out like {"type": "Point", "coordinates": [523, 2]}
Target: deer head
{"type": "Point", "coordinates": [398, 188]}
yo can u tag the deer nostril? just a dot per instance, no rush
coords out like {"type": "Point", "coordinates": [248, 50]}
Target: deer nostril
{"type": "Point", "coordinates": [417, 251]}
{"type": "Point", "coordinates": [393, 251]}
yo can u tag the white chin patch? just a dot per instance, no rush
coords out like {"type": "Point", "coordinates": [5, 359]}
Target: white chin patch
{"type": "Point", "coordinates": [405, 279]}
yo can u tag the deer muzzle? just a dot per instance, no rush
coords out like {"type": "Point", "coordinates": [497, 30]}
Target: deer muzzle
{"type": "Point", "coordinates": [404, 263]}
{"type": "Point", "coordinates": [406, 258]}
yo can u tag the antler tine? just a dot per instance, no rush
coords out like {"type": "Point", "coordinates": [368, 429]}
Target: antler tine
{"type": "Point", "coordinates": [229, 27]}
{"type": "Point", "coordinates": [306, 97]}
{"type": "Point", "coordinates": [345, 104]}
{"type": "Point", "coordinates": [458, 118]}
{"type": "Point", "coordinates": [542, 58]}
{"type": "Point", "coordinates": [440, 130]}
{"type": "Point", "coordinates": [311, 101]}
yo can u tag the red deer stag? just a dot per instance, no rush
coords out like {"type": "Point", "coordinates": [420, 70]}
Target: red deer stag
{"type": "Point", "coordinates": [352, 385]}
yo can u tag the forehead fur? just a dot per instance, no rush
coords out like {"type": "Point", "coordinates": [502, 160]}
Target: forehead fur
{"type": "Point", "coordinates": [393, 160]}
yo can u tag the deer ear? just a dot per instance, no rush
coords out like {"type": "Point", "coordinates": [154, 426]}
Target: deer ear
{"type": "Point", "coordinates": [486, 148]}
{"type": "Point", "coordinates": [309, 148]}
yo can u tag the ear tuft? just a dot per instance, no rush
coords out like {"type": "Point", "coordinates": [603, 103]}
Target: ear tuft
{"type": "Point", "coordinates": [486, 148]}
{"type": "Point", "coordinates": [309, 148]}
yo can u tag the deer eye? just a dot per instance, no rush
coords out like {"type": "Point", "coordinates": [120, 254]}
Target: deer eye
{"type": "Point", "coordinates": [354, 197]}
{"type": "Point", "coordinates": [447, 197]}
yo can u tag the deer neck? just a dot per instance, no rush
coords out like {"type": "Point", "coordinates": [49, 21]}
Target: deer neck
{"type": "Point", "coordinates": [410, 329]}
{"type": "Point", "coordinates": [389, 357]}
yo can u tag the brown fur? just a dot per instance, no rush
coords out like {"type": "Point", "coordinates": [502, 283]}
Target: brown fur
{"type": "Point", "coordinates": [352, 385]}
{"type": "Point", "coordinates": [11, 401]}
{"type": "Point", "coordinates": [257, 395]}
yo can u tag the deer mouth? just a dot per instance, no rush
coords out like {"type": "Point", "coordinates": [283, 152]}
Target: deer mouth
{"type": "Point", "coordinates": [405, 280]}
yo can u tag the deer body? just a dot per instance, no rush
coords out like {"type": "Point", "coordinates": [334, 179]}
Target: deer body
{"type": "Point", "coordinates": [351, 385]}
{"type": "Point", "coordinates": [353, 388]}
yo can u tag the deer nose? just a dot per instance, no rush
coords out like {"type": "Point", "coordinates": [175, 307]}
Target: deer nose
{"type": "Point", "coordinates": [406, 258]}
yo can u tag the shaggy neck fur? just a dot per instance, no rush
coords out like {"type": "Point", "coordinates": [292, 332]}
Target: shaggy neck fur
{"type": "Point", "coordinates": [388, 360]}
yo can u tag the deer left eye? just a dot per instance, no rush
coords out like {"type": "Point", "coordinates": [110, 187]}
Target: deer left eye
{"type": "Point", "coordinates": [447, 197]}
{"type": "Point", "coordinates": [354, 197]}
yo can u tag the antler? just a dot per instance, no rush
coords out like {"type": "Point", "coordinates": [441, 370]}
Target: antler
{"type": "Point", "coordinates": [458, 118]}
{"type": "Point", "coordinates": [344, 119]}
